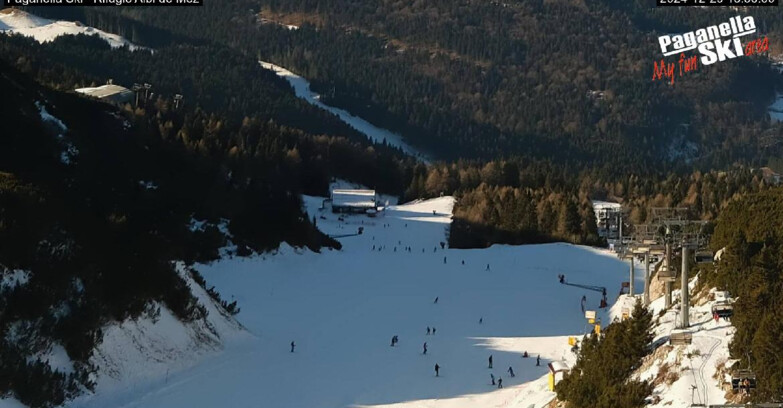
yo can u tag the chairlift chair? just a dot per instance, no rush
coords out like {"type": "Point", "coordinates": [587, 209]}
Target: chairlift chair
{"type": "Point", "coordinates": [743, 379]}
{"type": "Point", "coordinates": [704, 257]}
{"type": "Point", "coordinates": [680, 338]}
{"type": "Point", "coordinates": [667, 274]}
{"type": "Point", "coordinates": [723, 309]}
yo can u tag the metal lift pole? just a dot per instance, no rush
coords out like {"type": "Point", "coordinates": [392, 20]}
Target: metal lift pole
{"type": "Point", "coordinates": [684, 295]}
{"type": "Point", "coordinates": [646, 296]}
{"type": "Point", "coordinates": [630, 282]}
{"type": "Point", "coordinates": [667, 284]}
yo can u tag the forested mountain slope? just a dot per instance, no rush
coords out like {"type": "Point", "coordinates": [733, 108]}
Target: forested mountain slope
{"type": "Point", "coordinates": [481, 79]}
{"type": "Point", "coordinates": [750, 268]}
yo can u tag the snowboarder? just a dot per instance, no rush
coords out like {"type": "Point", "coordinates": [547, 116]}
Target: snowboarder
{"type": "Point", "coordinates": [492, 377]}
{"type": "Point", "coordinates": [500, 382]}
{"type": "Point", "coordinates": [292, 346]}
{"type": "Point", "coordinates": [490, 361]}
{"type": "Point", "coordinates": [538, 360]}
{"type": "Point", "coordinates": [428, 330]}
{"type": "Point", "coordinates": [437, 369]}
{"type": "Point", "coordinates": [425, 348]}
{"type": "Point", "coordinates": [511, 371]}
{"type": "Point", "coordinates": [436, 300]}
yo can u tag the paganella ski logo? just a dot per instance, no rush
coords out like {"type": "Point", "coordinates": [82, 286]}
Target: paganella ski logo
{"type": "Point", "coordinates": [714, 44]}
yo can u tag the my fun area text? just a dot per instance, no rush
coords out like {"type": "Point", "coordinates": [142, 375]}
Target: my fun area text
{"type": "Point", "coordinates": [716, 43]}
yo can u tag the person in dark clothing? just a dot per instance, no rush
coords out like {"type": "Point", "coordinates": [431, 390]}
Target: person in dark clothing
{"type": "Point", "coordinates": [487, 266]}
{"type": "Point", "coordinates": [437, 370]}
{"type": "Point", "coordinates": [481, 320]}
{"type": "Point", "coordinates": [500, 382]}
{"type": "Point", "coordinates": [436, 299]}
{"type": "Point", "coordinates": [492, 377]}
{"type": "Point", "coordinates": [463, 262]}
{"type": "Point", "coordinates": [425, 348]}
{"type": "Point", "coordinates": [538, 360]}
{"type": "Point", "coordinates": [511, 371]}
{"type": "Point", "coordinates": [490, 361]}
{"type": "Point", "coordinates": [292, 346]}
{"type": "Point", "coordinates": [428, 330]}
{"type": "Point", "coordinates": [433, 330]}
{"type": "Point", "coordinates": [524, 355]}
{"type": "Point", "coordinates": [444, 259]}
{"type": "Point", "coordinates": [561, 278]}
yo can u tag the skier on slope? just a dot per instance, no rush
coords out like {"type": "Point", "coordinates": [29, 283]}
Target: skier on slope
{"type": "Point", "coordinates": [428, 330]}
{"type": "Point", "coordinates": [437, 370]}
{"type": "Point", "coordinates": [292, 346]}
{"type": "Point", "coordinates": [425, 348]}
{"type": "Point", "coordinates": [538, 360]}
{"type": "Point", "coordinates": [433, 330]}
{"type": "Point", "coordinates": [500, 382]}
{"type": "Point", "coordinates": [487, 266]}
{"type": "Point", "coordinates": [490, 361]}
{"type": "Point", "coordinates": [511, 371]}
{"type": "Point", "coordinates": [492, 377]}
{"type": "Point", "coordinates": [436, 299]}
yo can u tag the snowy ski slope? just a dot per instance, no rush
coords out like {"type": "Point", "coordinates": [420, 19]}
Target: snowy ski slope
{"type": "Point", "coordinates": [378, 135]}
{"type": "Point", "coordinates": [45, 30]}
{"type": "Point", "coordinates": [342, 308]}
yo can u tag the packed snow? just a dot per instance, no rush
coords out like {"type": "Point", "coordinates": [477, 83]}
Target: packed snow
{"type": "Point", "coordinates": [342, 307]}
{"type": "Point", "coordinates": [138, 358]}
{"type": "Point", "coordinates": [69, 151]}
{"type": "Point", "coordinates": [378, 135]}
{"type": "Point", "coordinates": [13, 278]}
{"type": "Point", "coordinates": [45, 30]}
{"type": "Point", "coordinates": [776, 109]}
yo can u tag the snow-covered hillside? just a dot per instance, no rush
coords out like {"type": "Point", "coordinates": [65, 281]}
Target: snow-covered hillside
{"type": "Point", "coordinates": [378, 135]}
{"type": "Point", "coordinates": [43, 30]}
{"type": "Point", "coordinates": [138, 356]}
{"type": "Point", "coordinates": [341, 308]}
{"type": "Point", "coordinates": [687, 374]}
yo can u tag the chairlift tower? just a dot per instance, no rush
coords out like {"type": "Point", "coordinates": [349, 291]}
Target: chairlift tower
{"type": "Point", "coordinates": [670, 228]}
{"type": "Point", "coordinates": [136, 90]}
{"type": "Point", "coordinates": [147, 88]}
{"type": "Point", "coordinates": [177, 101]}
